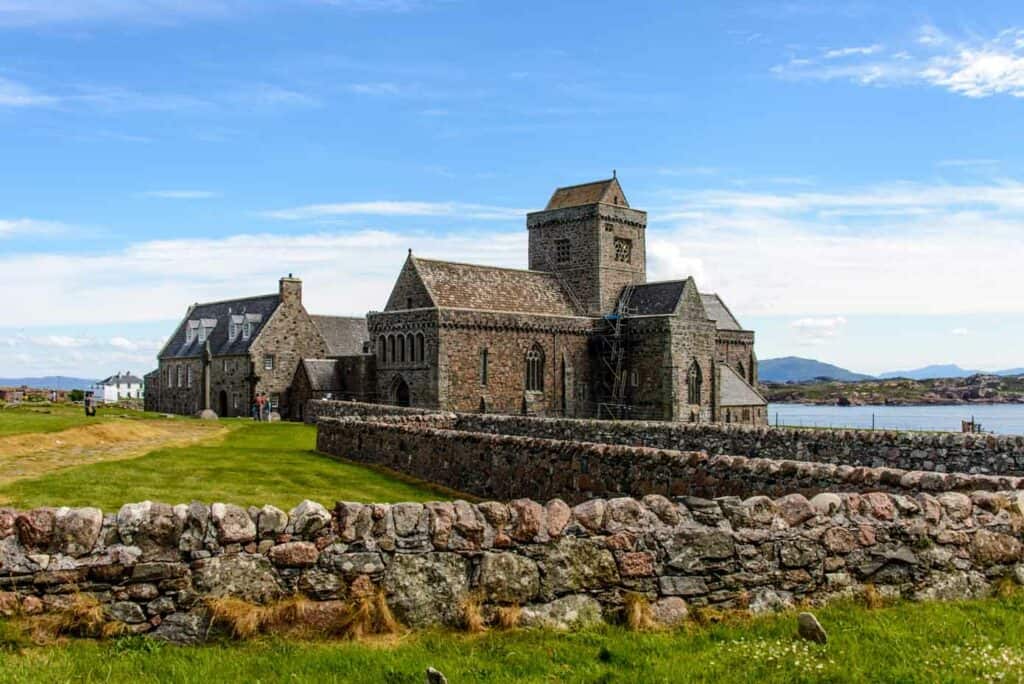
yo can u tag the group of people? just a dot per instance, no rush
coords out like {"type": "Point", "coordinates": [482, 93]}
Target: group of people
{"type": "Point", "coordinates": [261, 407]}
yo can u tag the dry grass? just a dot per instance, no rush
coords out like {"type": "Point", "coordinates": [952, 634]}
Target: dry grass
{"type": "Point", "coordinates": [297, 616]}
{"type": "Point", "coordinates": [1006, 587]}
{"type": "Point", "coordinates": [472, 615]}
{"type": "Point", "coordinates": [871, 598]}
{"type": "Point", "coordinates": [32, 455]}
{"type": "Point", "coordinates": [82, 616]}
{"type": "Point", "coordinates": [507, 617]}
{"type": "Point", "coordinates": [639, 616]}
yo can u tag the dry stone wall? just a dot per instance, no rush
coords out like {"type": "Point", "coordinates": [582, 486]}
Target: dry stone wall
{"type": "Point", "coordinates": [434, 448]}
{"type": "Point", "coordinates": [984, 454]}
{"type": "Point", "coordinates": [153, 567]}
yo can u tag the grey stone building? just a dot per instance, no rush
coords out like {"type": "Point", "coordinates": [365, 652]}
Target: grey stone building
{"type": "Point", "coordinates": [224, 353]}
{"type": "Point", "coordinates": [580, 333]}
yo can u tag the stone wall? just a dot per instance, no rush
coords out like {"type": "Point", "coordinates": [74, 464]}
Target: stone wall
{"type": "Point", "coordinates": [326, 408]}
{"type": "Point", "coordinates": [949, 452]}
{"type": "Point", "coordinates": [153, 567]}
{"type": "Point", "coordinates": [438, 448]}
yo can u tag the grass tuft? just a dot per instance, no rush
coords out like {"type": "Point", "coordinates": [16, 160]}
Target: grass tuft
{"type": "Point", "coordinates": [472, 615]}
{"type": "Point", "coordinates": [639, 616]}
{"type": "Point", "coordinates": [507, 617]}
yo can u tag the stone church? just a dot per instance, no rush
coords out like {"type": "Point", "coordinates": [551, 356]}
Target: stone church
{"type": "Point", "coordinates": [581, 333]}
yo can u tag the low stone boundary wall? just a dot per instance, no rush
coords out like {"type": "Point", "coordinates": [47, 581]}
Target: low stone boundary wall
{"type": "Point", "coordinates": [509, 466]}
{"type": "Point", "coordinates": [979, 454]}
{"type": "Point", "coordinates": [153, 566]}
{"type": "Point", "coordinates": [987, 454]}
{"type": "Point", "coordinates": [329, 408]}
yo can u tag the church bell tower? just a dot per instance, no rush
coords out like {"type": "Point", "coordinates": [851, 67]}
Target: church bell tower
{"type": "Point", "coordinates": [592, 238]}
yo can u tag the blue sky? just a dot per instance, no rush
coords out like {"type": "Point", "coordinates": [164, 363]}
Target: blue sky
{"type": "Point", "coordinates": [847, 175]}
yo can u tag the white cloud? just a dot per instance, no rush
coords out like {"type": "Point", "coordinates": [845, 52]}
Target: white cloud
{"type": "Point", "coordinates": [839, 53]}
{"type": "Point", "coordinates": [960, 332]}
{"type": "Point", "coordinates": [60, 341]}
{"type": "Point", "coordinates": [970, 66]}
{"type": "Point", "coordinates": [396, 208]}
{"type": "Point", "coordinates": [37, 12]}
{"type": "Point", "coordinates": [182, 194]}
{"type": "Point", "coordinates": [9, 227]}
{"type": "Point", "coordinates": [14, 94]}
{"type": "Point", "coordinates": [817, 331]}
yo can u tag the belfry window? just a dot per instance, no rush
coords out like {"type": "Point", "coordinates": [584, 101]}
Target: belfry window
{"type": "Point", "coordinates": [694, 378]}
{"type": "Point", "coordinates": [623, 250]}
{"type": "Point", "coordinates": [563, 254]}
{"type": "Point", "coordinates": [483, 367]}
{"type": "Point", "coordinates": [535, 369]}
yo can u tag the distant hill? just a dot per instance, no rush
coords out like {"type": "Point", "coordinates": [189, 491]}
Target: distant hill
{"type": "Point", "coordinates": [58, 382]}
{"type": "Point", "coordinates": [795, 369]}
{"type": "Point", "coordinates": [948, 370]}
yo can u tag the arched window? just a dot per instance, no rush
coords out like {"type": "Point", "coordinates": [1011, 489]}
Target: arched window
{"type": "Point", "coordinates": [391, 349]}
{"type": "Point", "coordinates": [535, 369]}
{"type": "Point", "coordinates": [401, 348]}
{"type": "Point", "coordinates": [382, 349]}
{"type": "Point", "coordinates": [694, 378]}
{"type": "Point", "coordinates": [421, 348]}
{"type": "Point", "coordinates": [410, 342]}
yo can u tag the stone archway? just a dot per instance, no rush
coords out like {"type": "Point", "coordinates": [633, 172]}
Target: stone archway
{"type": "Point", "coordinates": [401, 393]}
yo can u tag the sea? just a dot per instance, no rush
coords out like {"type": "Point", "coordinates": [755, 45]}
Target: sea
{"type": "Point", "coordinates": [1005, 419]}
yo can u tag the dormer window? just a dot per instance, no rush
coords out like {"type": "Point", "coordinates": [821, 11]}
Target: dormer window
{"type": "Point", "coordinates": [246, 330]}
{"type": "Point", "coordinates": [202, 334]}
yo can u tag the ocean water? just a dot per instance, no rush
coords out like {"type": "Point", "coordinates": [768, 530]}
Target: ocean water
{"type": "Point", "coordinates": [1007, 419]}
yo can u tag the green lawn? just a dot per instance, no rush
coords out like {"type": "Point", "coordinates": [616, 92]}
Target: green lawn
{"type": "Point", "coordinates": [958, 642]}
{"type": "Point", "coordinates": [255, 464]}
{"type": "Point", "coordinates": [28, 418]}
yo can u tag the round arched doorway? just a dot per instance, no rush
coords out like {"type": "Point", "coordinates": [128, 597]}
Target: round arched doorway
{"type": "Point", "coordinates": [401, 393]}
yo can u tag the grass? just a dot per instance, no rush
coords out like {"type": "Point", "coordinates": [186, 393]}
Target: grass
{"type": "Point", "coordinates": [953, 642]}
{"type": "Point", "coordinates": [253, 464]}
{"type": "Point", "coordinates": [45, 418]}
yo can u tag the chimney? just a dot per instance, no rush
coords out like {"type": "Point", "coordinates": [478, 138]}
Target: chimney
{"type": "Point", "coordinates": [291, 290]}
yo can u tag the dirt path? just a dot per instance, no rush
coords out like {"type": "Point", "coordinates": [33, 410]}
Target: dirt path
{"type": "Point", "coordinates": [32, 455]}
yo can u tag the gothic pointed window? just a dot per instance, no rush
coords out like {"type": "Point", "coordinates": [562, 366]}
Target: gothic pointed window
{"type": "Point", "coordinates": [391, 349]}
{"type": "Point", "coordinates": [382, 349]}
{"type": "Point", "coordinates": [535, 369]}
{"type": "Point", "coordinates": [694, 378]}
{"type": "Point", "coordinates": [421, 348]}
{"type": "Point", "coordinates": [401, 348]}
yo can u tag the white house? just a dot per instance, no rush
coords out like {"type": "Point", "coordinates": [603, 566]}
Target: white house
{"type": "Point", "coordinates": [117, 387]}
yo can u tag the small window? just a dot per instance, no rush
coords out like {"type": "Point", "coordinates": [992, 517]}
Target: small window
{"type": "Point", "coordinates": [408, 302]}
{"type": "Point", "coordinates": [189, 335]}
{"type": "Point", "coordinates": [623, 250]}
{"type": "Point", "coordinates": [170, 377]}
{"type": "Point", "coordinates": [268, 362]}
{"type": "Point", "coordinates": [188, 376]}
{"type": "Point", "coordinates": [694, 379]}
{"type": "Point", "coordinates": [562, 252]}
{"type": "Point", "coordinates": [382, 349]}
{"type": "Point", "coordinates": [232, 330]}
{"type": "Point", "coordinates": [224, 366]}
{"type": "Point", "coordinates": [421, 348]}
{"type": "Point", "coordinates": [634, 379]}
{"type": "Point", "coordinates": [401, 348]}
{"type": "Point", "coordinates": [202, 334]}
{"type": "Point", "coordinates": [181, 376]}
{"type": "Point", "coordinates": [391, 349]}
{"type": "Point", "coordinates": [235, 400]}
{"type": "Point", "coordinates": [483, 368]}
{"type": "Point", "coordinates": [535, 369]}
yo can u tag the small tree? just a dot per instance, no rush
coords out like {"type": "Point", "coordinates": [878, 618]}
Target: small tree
{"type": "Point", "coordinates": [76, 395]}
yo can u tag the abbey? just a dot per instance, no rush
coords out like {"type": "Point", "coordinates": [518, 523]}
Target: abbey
{"type": "Point", "coordinates": [580, 334]}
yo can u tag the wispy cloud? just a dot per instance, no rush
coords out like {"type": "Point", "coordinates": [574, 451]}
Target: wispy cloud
{"type": "Point", "coordinates": [14, 94]}
{"type": "Point", "coordinates": [396, 208]}
{"type": "Point", "coordinates": [960, 332]}
{"type": "Point", "coordinates": [817, 331]}
{"type": "Point", "coordinates": [11, 227]}
{"type": "Point", "coordinates": [970, 66]}
{"type": "Point", "coordinates": [182, 194]}
{"type": "Point", "coordinates": [839, 53]}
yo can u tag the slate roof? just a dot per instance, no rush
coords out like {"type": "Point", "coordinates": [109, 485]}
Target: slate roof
{"type": "Point", "coordinates": [719, 313]}
{"type": "Point", "coordinates": [343, 334]}
{"type": "Point", "coordinates": [655, 299]}
{"type": "Point", "coordinates": [585, 193]}
{"type": "Point", "coordinates": [322, 375]}
{"type": "Point", "coordinates": [735, 391]}
{"type": "Point", "coordinates": [491, 288]}
{"type": "Point", "coordinates": [121, 379]}
{"type": "Point", "coordinates": [221, 312]}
